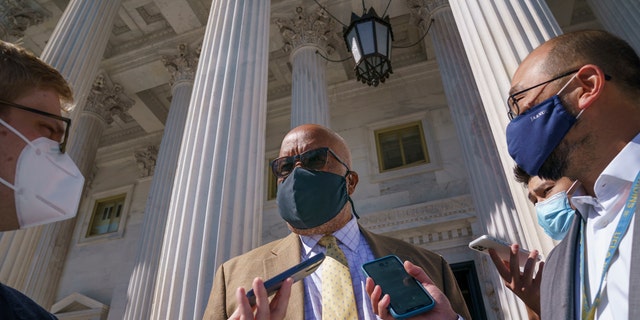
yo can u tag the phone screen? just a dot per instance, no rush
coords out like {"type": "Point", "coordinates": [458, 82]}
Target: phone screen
{"type": "Point", "coordinates": [408, 296]}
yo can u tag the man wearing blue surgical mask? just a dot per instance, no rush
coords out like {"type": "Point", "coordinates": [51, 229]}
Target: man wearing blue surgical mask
{"type": "Point", "coordinates": [576, 98]}
{"type": "Point", "coordinates": [39, 183]}
{"type": "Point", "coordinates": [551, 201]}
{"type": "Point", "coordinates": [315, 184]}
{"type": "Point", "coordinates": [555, 216]}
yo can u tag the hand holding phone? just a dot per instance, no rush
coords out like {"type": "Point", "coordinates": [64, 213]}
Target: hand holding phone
{"type": "Point", "coordinates": [407, 296]}
{"type": "Point", "coordinates": [519, 276]}
{"type": "Point", "coordinates": [296, 272]}
{"type": "Point", "coordinates": [502, 248]}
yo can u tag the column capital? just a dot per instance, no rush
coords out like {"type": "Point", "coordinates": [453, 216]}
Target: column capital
{"type": "Point", "coordinates": [146, 160]}
{"type": "Point", "coordinates": [16, 16]}
{"type": "Point", "coordinates": [423, 10]}
{"type": "Point", "coordinates": [308, 29]}
{"type": "Point", "coordinates": [107, 99]}
{"type": "Point", "coordinates": [182, 65]}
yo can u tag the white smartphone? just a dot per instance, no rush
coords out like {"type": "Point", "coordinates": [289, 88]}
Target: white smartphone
{"type": "Point", "coordinates": [502, 248]}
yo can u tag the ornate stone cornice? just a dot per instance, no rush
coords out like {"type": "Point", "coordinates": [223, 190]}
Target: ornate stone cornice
{"type": "Point", "coordinates": [17, 15]}
{"type": "Point", "coordinates": [305, 29]}
{"type": "Point", "coordinates": [423, 10]}
{"type": "Point", "coordinates": [182, 66]}
{"type": "Point", "coordinates": [422, 214]}
{"type": "Point", "coordinates": [146, 160]}
{"type": "Point", "coordinates": [107, 99]}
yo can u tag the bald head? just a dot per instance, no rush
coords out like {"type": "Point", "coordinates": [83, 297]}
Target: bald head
{"type": "Point", "coordinates": [613, 55]}
{"type": "Point", "coordinates": [312, 136]}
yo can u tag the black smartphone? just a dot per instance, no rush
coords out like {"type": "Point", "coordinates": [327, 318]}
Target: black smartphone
{"type": "Point", "coordinates": [296, 272]}
{"type": "Point", "coordinates": [408, 296]}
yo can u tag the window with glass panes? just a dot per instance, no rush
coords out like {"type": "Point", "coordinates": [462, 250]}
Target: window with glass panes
{"type": "Point", "coordinates": [106, 215]}
{"type": "Point", "coordinates": [401, 146]}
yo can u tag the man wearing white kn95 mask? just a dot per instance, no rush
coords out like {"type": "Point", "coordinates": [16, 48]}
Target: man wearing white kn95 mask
{"type": "Point", "coordinates": [39, 183]}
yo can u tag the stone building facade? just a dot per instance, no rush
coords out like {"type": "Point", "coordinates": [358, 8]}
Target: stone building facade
{"type": "Point", "coordinates": [180, 105]}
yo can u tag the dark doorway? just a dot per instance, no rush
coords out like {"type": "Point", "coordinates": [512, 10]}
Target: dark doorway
{"type": "Point", "coordinates": [465, 273]}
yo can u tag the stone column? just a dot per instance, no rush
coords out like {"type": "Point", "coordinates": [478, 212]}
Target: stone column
{"type": "Point", "coordinates": [496, 37]}
{"type": "Point", "coordinates": [306, 37]}
{"type": "Point", "coordinates": [620, 17]}
{"type": "Point", "coordinates": [75, 48]}
{"type": "Point", "coordinates": [216, 206]}
{"type": "Point", "coordinates": [77, 45]}
{"type": "Point", "coordinates": [17, 16]}
{"type": "Point", "coordinates": [492, 196]}
{"type": "Point", "coordinates": [182, 67]}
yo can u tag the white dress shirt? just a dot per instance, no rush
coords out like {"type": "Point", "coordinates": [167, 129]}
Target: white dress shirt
{"type": "Point", "coordinates": [602, 213]}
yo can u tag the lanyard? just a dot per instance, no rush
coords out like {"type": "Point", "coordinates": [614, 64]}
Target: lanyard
{"type": "Point", "coordinates": [589, 309]}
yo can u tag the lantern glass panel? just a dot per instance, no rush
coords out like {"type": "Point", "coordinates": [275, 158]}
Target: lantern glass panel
{"type": "Point", "coordinates": [381, 38]}
{"type": "Point", "coordinates": [355, 48]}
{"type": "Point", "coordinates": [389, 41]}
{"type": "Point", "coordinates": [365, 33]}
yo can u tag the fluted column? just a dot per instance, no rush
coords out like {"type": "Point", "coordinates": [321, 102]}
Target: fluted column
{"type": "Point", "coordinates": [75, 48]}
{"type": "Point", "coordinates": [182, 67]}
{"type": "Point", "coordinates": [306, 36]}
{"type": "Point", "coordinates": [620, 17]}
{"type": "Point", "coordinates": [215, 209]}
{"type": "Point", "coordinates": [496, 36]}
{"type": "Point", "coordinates": [493, 198]}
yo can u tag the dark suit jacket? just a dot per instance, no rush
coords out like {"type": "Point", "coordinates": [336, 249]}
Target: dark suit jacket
{"type": "Point", "coordinates": [16, 306]}
{"type": "Point", "coordinates": [277, 256]}
{"type": "Point", "coordinates": [557, 290]}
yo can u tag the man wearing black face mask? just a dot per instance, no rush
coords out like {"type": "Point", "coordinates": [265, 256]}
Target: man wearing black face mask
{"type": "Point", "coordinates": [315, 182]}
{"type": "Point", "coordinates": [575, 113]}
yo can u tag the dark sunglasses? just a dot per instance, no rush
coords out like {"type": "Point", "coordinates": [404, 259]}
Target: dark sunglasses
{"type": "Point", "coordinates": [314, 159]}
{"type": "Point", "coordinates": [66, 121]}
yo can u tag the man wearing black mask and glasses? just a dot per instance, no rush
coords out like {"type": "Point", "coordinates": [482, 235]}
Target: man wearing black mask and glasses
{"type": "Point", "coordinates": [315, 182]}
{"type": "Point", "coordinates": [39, 183]}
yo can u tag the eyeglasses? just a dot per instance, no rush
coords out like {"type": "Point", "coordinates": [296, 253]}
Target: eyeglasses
{"type": "Point", "coordinates": [314, 159]}
{"type": "Point", "coordinates": [513, 109]}
{"type": "Point", "coordinates": [66, 121]}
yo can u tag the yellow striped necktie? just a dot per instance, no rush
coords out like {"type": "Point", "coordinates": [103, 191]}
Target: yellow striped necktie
{"type": "Point", "coordinates": [338, 301]}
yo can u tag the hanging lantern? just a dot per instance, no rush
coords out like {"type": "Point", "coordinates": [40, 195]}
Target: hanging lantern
{"type": "Point", "coordinates": [369, 39]}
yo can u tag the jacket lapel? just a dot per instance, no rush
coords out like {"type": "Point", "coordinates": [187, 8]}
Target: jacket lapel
{"type": "Point", "coordinates": [285, 255]}
{"type": "Point", "coordinates": [557, 298]}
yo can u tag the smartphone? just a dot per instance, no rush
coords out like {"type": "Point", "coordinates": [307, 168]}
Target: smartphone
{"type": "Point", "coordinates": [502, 248]}
{"type": "Point", "coordinates": [408, 296]}
{"type": "Point", "coordinates": [296, 272]}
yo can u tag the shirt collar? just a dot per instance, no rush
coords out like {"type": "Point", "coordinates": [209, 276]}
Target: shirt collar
{"type": "Point", "coordinates": [618, 175]}
{"type": "Point", "coordinates": [347, 235]}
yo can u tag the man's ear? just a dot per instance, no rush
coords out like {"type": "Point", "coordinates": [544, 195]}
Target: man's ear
{"type": "Point", "coordinates": [352, 181]}
{"type": "Point", "coordinates": [591, 79]}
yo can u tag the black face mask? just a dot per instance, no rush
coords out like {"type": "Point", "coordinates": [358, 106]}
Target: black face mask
{"type": "Point", "coordinates": [310, 198]}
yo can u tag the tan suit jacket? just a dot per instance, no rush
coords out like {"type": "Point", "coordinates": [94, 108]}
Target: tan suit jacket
{"type": "Point", "coordinates": [277, 256]}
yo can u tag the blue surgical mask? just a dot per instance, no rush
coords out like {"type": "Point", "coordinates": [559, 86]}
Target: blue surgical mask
{"type": "Point", "coordinates": [534, 134]}
{"type": "Point", "coordinates": [310, 198]}
{"type": "Point", "coordinates": [555, 215]}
